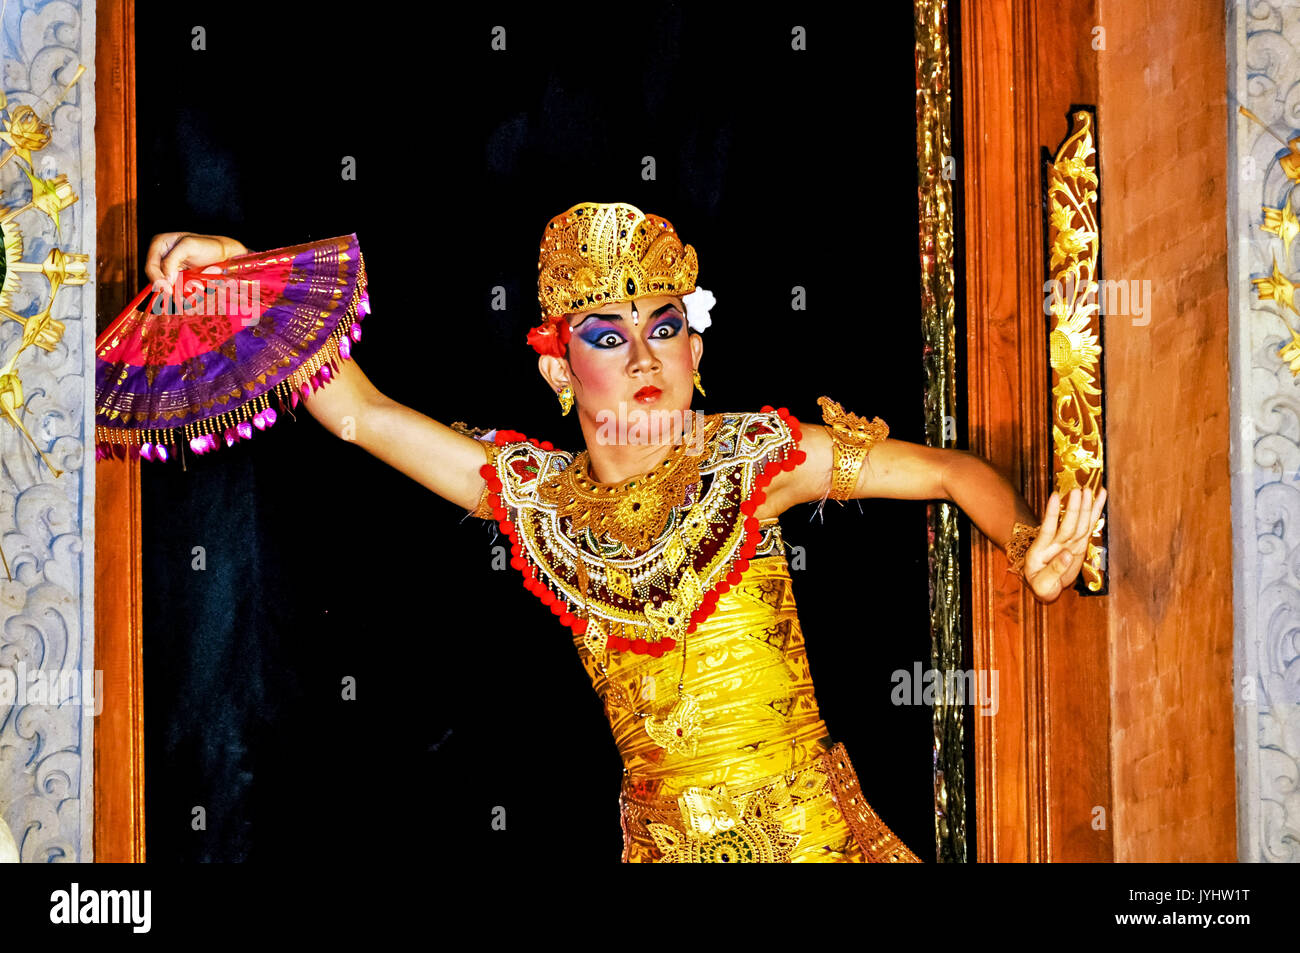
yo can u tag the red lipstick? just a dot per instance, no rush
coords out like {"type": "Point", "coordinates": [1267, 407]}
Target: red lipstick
{"type": "Point", "coordinates": [646, 394]}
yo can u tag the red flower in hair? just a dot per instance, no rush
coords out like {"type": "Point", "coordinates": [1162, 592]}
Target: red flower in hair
{"type": "Point", "coordinates": [551, 337]}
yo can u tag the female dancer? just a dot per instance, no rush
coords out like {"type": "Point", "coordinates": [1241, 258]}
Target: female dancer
{"type": "Point", "coordinates": [659, 544]}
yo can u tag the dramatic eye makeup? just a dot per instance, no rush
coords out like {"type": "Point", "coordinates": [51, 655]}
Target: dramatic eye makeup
{"type": "Point", "coordinates": [602, 336]}
{"type": "Point", "coordinates": [671, 322]}
{"type": "Point", "coordinates": [667, 322]}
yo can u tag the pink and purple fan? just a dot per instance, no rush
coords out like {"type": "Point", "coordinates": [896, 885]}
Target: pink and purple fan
{"type": "Point", "coordinates": [206, 365]}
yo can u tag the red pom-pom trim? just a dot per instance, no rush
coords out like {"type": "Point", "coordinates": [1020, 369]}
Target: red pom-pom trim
{"type": "Point", "coordinates": [519, 561]}
{"type": "Point", "coordinates": [749, 507]}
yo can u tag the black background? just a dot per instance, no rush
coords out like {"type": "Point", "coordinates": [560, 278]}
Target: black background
{"type": "Point", "coordinates": [781, 168]}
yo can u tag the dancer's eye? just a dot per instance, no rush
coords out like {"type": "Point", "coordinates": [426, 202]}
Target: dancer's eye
{"type": "Point", "coordinates": [603, 338]}
{"type": "Point", "coordinates": [668, 327]}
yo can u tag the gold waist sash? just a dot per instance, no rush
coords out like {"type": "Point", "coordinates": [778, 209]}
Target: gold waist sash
{"type": "Point", "coordinates": [813, 814]}
{"type": "Point", "coordinates": [747, 667]}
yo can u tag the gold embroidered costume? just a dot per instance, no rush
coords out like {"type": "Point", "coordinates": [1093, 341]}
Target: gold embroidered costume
{"type": "Point", "coordinates": [682, 613]}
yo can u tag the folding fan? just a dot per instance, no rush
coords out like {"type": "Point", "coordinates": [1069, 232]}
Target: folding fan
{"type": "Point", "coordinates": [206, 364]}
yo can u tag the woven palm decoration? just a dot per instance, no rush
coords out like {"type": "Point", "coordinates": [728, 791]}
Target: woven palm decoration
{"type": "Point", "coordinates": [25, 131]}
{"type": "Point", "coordinates": [206, 365]}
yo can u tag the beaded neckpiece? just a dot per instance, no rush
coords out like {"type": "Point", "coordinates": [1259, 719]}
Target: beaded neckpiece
{"type": "Point", "coordinates": [633, 512]}
{"type": "Point", "coordinates": [627, 581]}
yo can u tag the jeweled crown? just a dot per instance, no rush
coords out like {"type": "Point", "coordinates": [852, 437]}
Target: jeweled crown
{"type": "Point", "coordinates": [595, 254]}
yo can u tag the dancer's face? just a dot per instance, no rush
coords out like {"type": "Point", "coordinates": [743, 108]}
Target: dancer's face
{"type": "Point", "coordinates": [641, 362]}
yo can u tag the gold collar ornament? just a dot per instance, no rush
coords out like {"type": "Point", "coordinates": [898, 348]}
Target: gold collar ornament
{"type": "Point", "coordinates": [633, 512]}
{"type": "Point", "coordinates": [692, 543]}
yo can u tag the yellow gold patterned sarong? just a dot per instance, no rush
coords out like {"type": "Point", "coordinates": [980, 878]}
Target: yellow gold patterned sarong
{"type": "Point", "coordinates": [763, 782]}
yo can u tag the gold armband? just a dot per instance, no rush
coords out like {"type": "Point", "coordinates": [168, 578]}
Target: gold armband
{"type": "Point", "coordinates": [853, 437]}
{"type": "Point", "coordinates": [484, 509]}
{"type": "Point", "coordinates": [1022, 537]}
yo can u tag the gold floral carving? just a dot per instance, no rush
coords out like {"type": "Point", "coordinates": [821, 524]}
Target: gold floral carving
{"type": "Point", "coordinates": [1074, 341]}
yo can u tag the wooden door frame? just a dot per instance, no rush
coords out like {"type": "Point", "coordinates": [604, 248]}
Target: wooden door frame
{"type": "Point", "coordinates": [1042, 763]}
{"type": "Point", "coordinates": [1018, 751]}
{"type": "Point", "coordinates": [119, 729]}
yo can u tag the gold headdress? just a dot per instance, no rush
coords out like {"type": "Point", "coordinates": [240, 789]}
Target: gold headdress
{"type": "Point", "coordinates": [596, 254]}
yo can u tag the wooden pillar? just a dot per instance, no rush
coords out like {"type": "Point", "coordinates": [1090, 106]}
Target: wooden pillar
{"type": "Point", "coordinates": [119, 729]}
{"type": "Point", "coordinates": [1042, 762]}
{"type": "Point", "coordinates": [1144, 673]}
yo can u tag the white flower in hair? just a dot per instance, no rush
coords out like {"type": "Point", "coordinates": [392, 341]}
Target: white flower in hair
{"type": "Point", "coordinates": [698, 303]}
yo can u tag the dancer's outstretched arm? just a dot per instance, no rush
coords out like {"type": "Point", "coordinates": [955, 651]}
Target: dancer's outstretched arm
{"type": "Point", "coordinates": [430, 453]}
{"type": "Point", "coordinates": [901, 470]}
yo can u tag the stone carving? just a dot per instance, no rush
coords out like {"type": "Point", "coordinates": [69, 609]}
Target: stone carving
{"type": "Point", "coordinates": [1264, 78]}
{"type": "Point", "coordinates": [46, 521]}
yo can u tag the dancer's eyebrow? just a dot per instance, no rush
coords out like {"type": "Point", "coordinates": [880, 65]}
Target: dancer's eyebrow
{"type": "Point", "coordinates": [618, 317]}
{"type": "Point", "coordinates": [607, 317]}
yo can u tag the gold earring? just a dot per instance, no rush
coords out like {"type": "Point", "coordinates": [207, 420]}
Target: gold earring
{"type": "Point", "coordinates": [698, 385]}
{"type": "Point", "coordinates": [566, 400]}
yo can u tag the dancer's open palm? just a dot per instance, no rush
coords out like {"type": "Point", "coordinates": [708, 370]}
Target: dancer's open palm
{"type": "Point", "coordinates": [1053, 561]}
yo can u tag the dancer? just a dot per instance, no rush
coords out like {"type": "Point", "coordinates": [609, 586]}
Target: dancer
{"type": "Point", "coordinates": [658, 545]}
